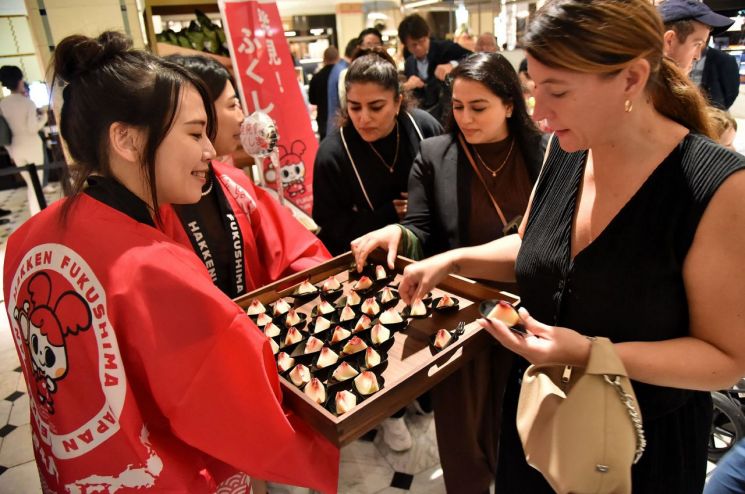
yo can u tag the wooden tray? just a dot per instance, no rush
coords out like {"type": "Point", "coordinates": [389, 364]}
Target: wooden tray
{"type": "Point", "coordinates": [413, 367]}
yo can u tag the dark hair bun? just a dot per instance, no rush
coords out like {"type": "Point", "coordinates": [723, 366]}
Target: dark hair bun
{"type": "Point", "coordinates": [77, 55]}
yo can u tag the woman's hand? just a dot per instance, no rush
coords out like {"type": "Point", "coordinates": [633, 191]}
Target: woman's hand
{"type": "Point", "coordinates": [421, 277]}
{"type": "Point", "coordinates": [387, 238]}
{"type": "Point", "coordinates": [544, 344]}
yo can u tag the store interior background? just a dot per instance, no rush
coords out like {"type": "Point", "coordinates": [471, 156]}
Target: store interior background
{"type": "Point", "coordinates": [30, 29]}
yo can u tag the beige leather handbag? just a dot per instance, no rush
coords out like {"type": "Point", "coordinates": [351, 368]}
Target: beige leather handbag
{"type": "Point", "coordinates": [581, 428]}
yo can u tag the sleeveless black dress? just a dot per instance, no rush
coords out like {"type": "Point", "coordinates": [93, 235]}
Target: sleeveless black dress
{"type": "Point", "coordinates": [626, 285]}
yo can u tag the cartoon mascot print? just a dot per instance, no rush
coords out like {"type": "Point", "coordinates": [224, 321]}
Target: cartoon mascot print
{"type": "Point", "coordinates": [46, 329]}
{"type": "Point", "coordinates": [291, 169]}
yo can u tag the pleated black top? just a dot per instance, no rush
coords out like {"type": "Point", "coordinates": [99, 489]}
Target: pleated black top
{"type": "Point", "coordinates": [627, 284]}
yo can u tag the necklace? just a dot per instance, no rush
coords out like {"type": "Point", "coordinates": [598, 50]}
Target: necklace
{"type": "Point", "coordinates": [494, 172]}
{"type": "Point", "coordinates": [209, 187]}
{"type": "Point", "coordinates": [395, 156]}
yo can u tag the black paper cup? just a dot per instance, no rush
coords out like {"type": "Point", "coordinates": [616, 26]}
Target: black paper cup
{"type": "Point", "coordinates": [452, 308]}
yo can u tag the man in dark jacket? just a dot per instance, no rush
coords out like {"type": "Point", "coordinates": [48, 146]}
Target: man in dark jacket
{"type": "Point", "coordinates": [430, 62]}
{"type": "Point", "coordinates": [317, 89]}
{"type": "Point", "coordinates": [720, 80]}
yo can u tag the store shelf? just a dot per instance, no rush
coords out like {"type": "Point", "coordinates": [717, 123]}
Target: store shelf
{"type": "Point", "coordinates": [171, 7]}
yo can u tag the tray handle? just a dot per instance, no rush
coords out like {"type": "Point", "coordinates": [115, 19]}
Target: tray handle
{"type": "Point", "coordinates": [437, 367]}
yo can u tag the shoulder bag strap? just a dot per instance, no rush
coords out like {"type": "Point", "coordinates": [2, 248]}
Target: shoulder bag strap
{"type": "Point", "coordinates": [416, 127]}
{"type": "Point", "coordinates": [354, 167]}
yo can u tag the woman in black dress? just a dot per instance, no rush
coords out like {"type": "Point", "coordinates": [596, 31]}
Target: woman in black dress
{"type": "Point", "coordinates": [635, 231]}
{"type": "Point", "coordinates": [361, 170]}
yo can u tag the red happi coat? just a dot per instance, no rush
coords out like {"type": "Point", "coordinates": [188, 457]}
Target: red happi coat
{"type": "Point", "coordinates": [141, 373]}
{"type": "Point", "coordinates": [275, 244]}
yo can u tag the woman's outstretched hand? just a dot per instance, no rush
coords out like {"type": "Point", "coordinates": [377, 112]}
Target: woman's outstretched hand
{"type": "Point", "coordinates": [386, 238]}
{"type": "Point", "coordinates": [421, 277]}
{"type": "Point", "coordinates": [543, 344]}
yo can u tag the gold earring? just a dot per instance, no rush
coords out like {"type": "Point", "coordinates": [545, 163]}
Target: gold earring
{"type": "Point", "coordinates": [628, 106]}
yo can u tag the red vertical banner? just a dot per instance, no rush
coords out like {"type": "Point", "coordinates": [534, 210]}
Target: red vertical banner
{"type": "Point", "coordinates": [265, 74]}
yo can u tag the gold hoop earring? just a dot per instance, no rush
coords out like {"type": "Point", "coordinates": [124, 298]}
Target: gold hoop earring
{"type": "Point", "coordinates": [628, 106]}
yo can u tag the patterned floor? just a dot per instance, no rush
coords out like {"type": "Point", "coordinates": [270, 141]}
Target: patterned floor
{"type": "Point", "coordinates": [368, 466]}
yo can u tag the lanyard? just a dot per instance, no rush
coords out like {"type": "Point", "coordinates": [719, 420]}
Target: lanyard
{"type": "Point", "coordinates": [354, 165]}
{"type": "Point", "coordinates": [478, 174]}
{"type": "Point", "coordinates": [201, 241]}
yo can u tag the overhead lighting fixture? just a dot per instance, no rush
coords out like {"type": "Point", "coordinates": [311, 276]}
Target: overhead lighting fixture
{"type": "Point", "coordinates": [290, 34]}
{"type": "Point", "coordinates": [317, 31]}
{"type": "Point", "coordinates": [420, 3]}
{"type": "Point", "coordinates": [377, 16]}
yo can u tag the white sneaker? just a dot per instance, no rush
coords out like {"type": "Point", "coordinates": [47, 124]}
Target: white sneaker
{"type": "Point", "coordinates": [50, 189]}
{"type": "Point", "coordinates": [396, 434]}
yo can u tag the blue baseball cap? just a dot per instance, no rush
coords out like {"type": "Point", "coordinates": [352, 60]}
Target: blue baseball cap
{"type": "Point", "coordinates": [678, 10]}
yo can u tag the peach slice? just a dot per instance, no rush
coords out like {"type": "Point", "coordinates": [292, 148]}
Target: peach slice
{"type": "Point", "coordinates": [390, 316]}
{"type": "Point", "coordinates": [345, 401]}
{"type": "Point", "coordinates": [315, 390]}
{"type": "Point", "coordinates": [313, 345]}
{"type": "Point", "coordinates": [300, 375]}
{"type": "Point", "coordinates": [281, 306]}
{"type": "Point", "coordinates": [326, 358]}
{"type": "Point", "coordinates": [255, 308]}
{"type": "Point", "coordinates": [355, 344]}
{"type": "Point", "coordinates": [271, 330]}
{"type": "Point", "coordinates": [331, 284]}
{"type": "Point", "coordinates": [372, 358]}
{"type": "Point", "coordinates": [362, 324]}
{"type": "Point", "coordinates": [505, 312]}
{"type": "Point", "coordinates": [442, 339]}
{"type": "Point", "coordinates": [366, 383]}
{"type": "Point", "coordinates": [340, 334]}
{"type": "Point", "coordinates": [363, 283]}
{"type": "Point", "coordinates": [379, 334]}
{"type": "Point", "coordinates": [292, 336]}
{"type": "Point", "coordinates": [344, 372]}
{"type": "Point", "coordinates": [284, 362]}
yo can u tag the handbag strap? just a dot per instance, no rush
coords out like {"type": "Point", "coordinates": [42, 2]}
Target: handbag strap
{"type": "Point", "coordinates": [636, 419]}
{"type": "Point", "coordinates": [478, 174]}
{"type": "Point", "coordinates": [605, 361]}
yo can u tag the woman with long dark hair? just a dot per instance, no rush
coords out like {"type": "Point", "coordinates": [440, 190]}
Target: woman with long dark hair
{"type": "Point", "coordinates": [468, 187]}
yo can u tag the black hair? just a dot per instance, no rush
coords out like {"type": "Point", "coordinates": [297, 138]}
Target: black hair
{"type": "Point", "coordinates": [370, 30]}
{"type": "Point", "coordinates": [107, 82]}
{"type": "Point", "coordinates": [373, 65]}
{"type": "Point", "coordinates": [212, 73]}
{"type": "Point", "coordinates": [351, 47]}
{"type": "Point", "coordinates": [10, 76]}
{"type": "Point", "coordinates": [495, 72]}
{"type": "Point", "coordinates": [413, 26]}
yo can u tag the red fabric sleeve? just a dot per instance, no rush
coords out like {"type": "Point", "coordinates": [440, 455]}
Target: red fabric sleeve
{"type": "Point", "coordinates": [285, 245]}
{"type": "Point", "coordinates": [211, 373]}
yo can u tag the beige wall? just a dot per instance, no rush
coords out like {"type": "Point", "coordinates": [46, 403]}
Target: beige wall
{"type": "Point", "coordinates": [350, 20]}
{"type": "Point", "coordinates": [88, 17]}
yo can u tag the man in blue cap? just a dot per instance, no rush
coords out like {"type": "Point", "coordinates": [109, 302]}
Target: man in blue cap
{"type": "Point", "coordinates": [688, 24]}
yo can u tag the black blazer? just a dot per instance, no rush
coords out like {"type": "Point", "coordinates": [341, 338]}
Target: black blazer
{"type": "Point", "coordinates": [720, 80]}
{"type": "Point", "coordinates": [439, 188]}
{"type": "Point", "coordinates": [318, 95]}
{"type": "Point", "coordinates": [440, 52]}
{"type": "Point", "coordinates": [339, 204]}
